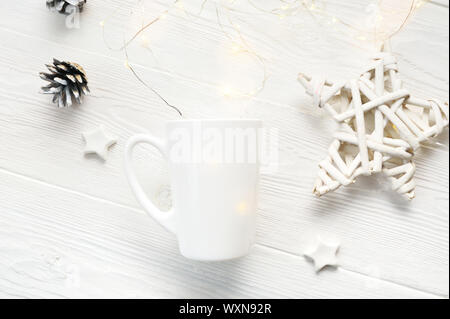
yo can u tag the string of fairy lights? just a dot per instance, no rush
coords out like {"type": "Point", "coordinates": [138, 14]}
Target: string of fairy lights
{"type": "Point", "coordinates": [240, 46]}
{"type": "Point", "coordinates": [224, 10]}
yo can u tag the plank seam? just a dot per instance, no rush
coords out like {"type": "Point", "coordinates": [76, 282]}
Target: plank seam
{"type": "Point", "coordinates": [359, 273]}
{"type": "Point", "coordinates": [140, 211]}
{"type": "Point", "coordinates": [164, 72]}
{"type": "Point", "coordinates": [440, 3]}
{"type": "Point", "coordinates": [68, 190]}
{"type": "Point", "coordinates": [156, 70]}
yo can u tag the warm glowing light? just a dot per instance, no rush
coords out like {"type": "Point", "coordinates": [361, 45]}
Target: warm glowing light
{"type": "Point", "coordinates": [242, 207]}
{"type": "Point", "coordinates": [227, 91]}
{"type": "Point", "coordinates": [240, 45]}
{"type": "Point", "coordinates": [236, 48]}
{"type": "Point", "coordinates": [145, 42]}
{"type": "Point", "coordinates": [238, 40]}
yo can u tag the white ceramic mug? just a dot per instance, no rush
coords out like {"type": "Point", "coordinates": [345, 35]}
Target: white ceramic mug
{"type": "Point", "coordinates": [214, 168]}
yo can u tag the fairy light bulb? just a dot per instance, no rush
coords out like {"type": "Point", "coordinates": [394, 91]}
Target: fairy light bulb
{"type": "Point", "coordinates": [242, 207]}
{"type": "Point", "coordinates": [145, 42]}
{"type": "Point", "coordinates": [227, 91]}
{"type": "Point", "coordinates": [236, 48]}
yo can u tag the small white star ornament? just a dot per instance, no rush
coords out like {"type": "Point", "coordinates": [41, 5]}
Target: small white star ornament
{"type": "Point", "coordinates": [324, 254]}
{"type": "Point", "coordinates": [380, 126]}
{"type": "Point", "coordinates": [98, 142]}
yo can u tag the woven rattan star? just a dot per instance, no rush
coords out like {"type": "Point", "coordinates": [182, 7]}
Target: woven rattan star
{"type": "Point", "coordinates": [380, 126]}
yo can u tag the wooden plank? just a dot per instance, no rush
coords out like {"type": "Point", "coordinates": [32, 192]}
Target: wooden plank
{"type": "Point", "coordinates": [58, 243]}
{"type": "Point", "coordinates": [301, 42]}
{"type": "Point", "coordinates": [40, 125]}
{"type": "Point", "coordinates": [443, 3]}
{"type": "Point", "coordinates": [38, 141]}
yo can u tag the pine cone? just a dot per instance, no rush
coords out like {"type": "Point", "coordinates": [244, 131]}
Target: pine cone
{"type": "Point", "coordinates": [68, 82]}
{"type": "Point", "coordinates": [62, 5]}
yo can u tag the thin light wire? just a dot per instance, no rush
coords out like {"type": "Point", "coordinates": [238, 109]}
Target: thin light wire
{"type": "Point", "coordinates": [127, 61]}
{"type": "Point", "coordinates": [148, 86]}
{"type": "Point", "coordinates": [294, 7]}
{"type": "Point", "coordinates": [245, 48]}
{"type": "Point", "coordinates": [387, 38]}
{"type": "Point", "coordinates": [408, 16]}
{"type": "Point", "coordinates": [202, 7]}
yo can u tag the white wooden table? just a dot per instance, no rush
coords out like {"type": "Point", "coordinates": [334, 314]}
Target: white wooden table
{"type": "Point", "coordinates": [69, 225]}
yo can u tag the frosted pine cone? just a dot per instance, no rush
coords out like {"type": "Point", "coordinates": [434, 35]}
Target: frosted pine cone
{"type": "Point", "coordinates": [68, 82]}
{"type": "Point", "coordinates": [62, 5]}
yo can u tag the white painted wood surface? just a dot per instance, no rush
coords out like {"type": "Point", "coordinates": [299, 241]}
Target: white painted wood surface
{"type": "Point", "coordinates": [69, 225]}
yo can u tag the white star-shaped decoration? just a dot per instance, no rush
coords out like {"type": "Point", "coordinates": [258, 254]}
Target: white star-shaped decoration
{"type": "Point", "coordinates": [380, 126]}
{"type": "Point", "coordinates": [98, 142]}
{"type": "Point", "coordinates": [324, 254]}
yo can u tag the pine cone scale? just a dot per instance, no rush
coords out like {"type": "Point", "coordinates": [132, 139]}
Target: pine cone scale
{"type": "Point", "coordinates": [62, 6]}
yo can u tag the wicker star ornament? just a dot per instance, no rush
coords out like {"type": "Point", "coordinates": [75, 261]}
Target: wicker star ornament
{"type": "Point", "coordinates": [380, 126]}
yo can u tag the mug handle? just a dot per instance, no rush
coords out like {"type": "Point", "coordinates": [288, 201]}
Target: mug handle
{"type": "Point", "coordinates": [167, 219]}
